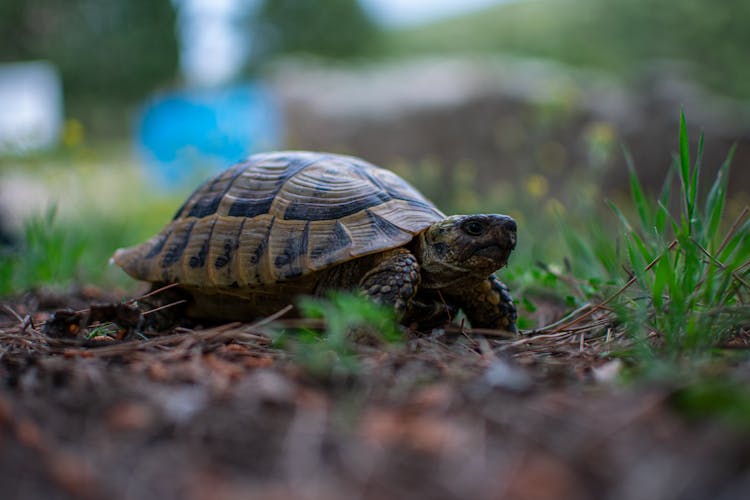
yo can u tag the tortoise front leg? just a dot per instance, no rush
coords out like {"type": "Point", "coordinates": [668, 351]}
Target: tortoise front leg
{"type": "Point", "coordinates": [489, 305]}
{"type": "Point", "coordinates": [393, 280]}
{"type": "Point", "coordinates": [428, 311]}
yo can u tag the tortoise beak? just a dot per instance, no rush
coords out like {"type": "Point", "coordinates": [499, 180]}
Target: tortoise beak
{"type": "Point", "coordinates": [497, 253]}
{"type": "Point", "coordinates": [504, 241]}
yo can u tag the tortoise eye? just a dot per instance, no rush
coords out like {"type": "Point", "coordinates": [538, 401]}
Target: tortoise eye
{"type": "Point", "coordinates": [473, 228]}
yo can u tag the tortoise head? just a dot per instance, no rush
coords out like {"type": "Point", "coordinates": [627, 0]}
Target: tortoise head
{"type": "Point", "coordinates": [465, 247]}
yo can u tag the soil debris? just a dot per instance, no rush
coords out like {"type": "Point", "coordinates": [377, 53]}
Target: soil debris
{"type": "Point", "coordinates": [227, 412]}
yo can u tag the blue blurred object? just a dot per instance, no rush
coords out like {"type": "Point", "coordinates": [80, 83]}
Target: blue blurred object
{"type": "Point", "coordinates": [190, 133]}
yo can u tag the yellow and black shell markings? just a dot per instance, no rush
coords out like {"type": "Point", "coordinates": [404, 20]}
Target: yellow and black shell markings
{"type": "Point", "coordinates": [279, 216]}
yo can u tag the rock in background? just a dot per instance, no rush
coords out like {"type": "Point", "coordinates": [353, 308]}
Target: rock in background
{"type": "Point", "coordinates": [499, 119]}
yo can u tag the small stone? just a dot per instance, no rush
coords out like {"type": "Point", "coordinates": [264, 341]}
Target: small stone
{"type": "Point", "coordinates": [504, 375]}
{"type": "Point", "coordinates": [608, 372]}
{"type": "Point", "coordinates": [129, 416]}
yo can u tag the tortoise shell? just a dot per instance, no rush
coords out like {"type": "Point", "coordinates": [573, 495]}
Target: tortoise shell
{"type": "Point", "coordinates": [280, 216]}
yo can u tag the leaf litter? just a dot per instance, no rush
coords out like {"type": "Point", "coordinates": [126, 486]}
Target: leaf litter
{"type": "Point", "coordinates": [226, 411]}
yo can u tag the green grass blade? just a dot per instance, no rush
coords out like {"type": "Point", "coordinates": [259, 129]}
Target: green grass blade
{"type": "Point", "coordinates": [709, 280]}
{"type": "Point", "coordinates": [607, 253]}
{"type": "Point", "coordinates": [647, 253]}
{"type": "Point", "coordinates": [694, 179]}
{"type": "Point", "coordinates": [696, 169]}
{"type": "Point", "coordinates": [638, 261]}
{"type": "Point", "coordinates": [662, 277]}
{"type": "Point", "coordinates": [684, 152]}
{"type": "Point", "coordinates": [692, 265]}
{"type": "Point", "coordinates": [639, 199]}
{"type": "Point", "coordinates": [623, 220]}
{"type": "Point", "coordinates": [662, 212]}
{"type": "Point", "coordinates": [740, 235]}
{"type": "Point", "coordinates": [715, 202]}
{"type": "Point", "coordinates": [633, 237]}
{"type": "Point", "coordinates": [685, 177]}
{"type": "Point", "coordinates": [578, 245]}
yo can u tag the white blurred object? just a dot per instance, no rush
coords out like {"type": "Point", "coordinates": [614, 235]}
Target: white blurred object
{"type": "Point", "coordinates": [32, 106]}
{"type": "Point", "coordinates": [608, 372]}
{"type": "Point", "coordinates": [402, 13]}
{"type": "Point", "coordinates": [504, 375]}
{"type": "Point", "coordinates": [213, 43]}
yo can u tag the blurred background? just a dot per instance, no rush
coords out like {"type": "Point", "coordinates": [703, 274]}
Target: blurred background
{"type": "Point", "coordinates": [114, 110]}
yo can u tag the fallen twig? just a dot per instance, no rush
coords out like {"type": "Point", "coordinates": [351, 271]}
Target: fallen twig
{"type": "Point", "coordinates": [165, 306]}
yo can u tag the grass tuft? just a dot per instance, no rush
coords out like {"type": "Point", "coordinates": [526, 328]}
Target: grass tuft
{"type": "Point", "coordinates": [689, 278]}
{"type": "Point", "coordinates": [348, 319]}
{"type": "Point", "coordinates": [48, 255]}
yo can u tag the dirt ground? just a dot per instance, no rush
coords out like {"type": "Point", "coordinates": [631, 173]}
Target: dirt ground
{"type": "Point", "coordinates": [222, 413]}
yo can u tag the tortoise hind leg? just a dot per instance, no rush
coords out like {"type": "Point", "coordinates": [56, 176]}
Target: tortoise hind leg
{"type": "Point", "coordinates": [164, 309]}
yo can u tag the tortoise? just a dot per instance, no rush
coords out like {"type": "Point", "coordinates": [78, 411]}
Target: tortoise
{"type": "Point", "coordinates": [287, 223]}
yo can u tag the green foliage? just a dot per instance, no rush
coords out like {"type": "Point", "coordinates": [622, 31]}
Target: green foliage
{"type": "Point", "coordinates": [344, 311]}
{"type": "Point", "coordinates": [101, 330]}
{"type": "Point", "coordinates": [724, 399]}
{"type": "Point", "coordinates": [105, 49]}
{"type": "Point", "coordinates": [616, 35]}
{"type": "Point", "coordinates": [57, 252]}
{"type": "Point", "coordinates": [334, 28]}
{"type": "Point", "coordinates": [689, 278]}
{"type": "Point", "coordinates": [48, 255]}
{"type": "Point", "coordinates": [349, 319]}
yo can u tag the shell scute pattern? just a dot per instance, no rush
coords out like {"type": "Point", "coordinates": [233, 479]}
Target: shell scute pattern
{"type": "Point", "coordinates": [197, 250]}
{"type": "Point", "coordinates": [252, 265]}
{"type": "Point", "coordinates": [326, 194]}
{"type": "Point", "coordinates": [206, 199]}
{"type": "Point", "coordinates": [279, 216]}
{"type": "Point", "coordinates": [329, 240]}
{"type": "Point", "coordinates": [176, 244]}
{"type": "Point", "coordinates": [288, 244]}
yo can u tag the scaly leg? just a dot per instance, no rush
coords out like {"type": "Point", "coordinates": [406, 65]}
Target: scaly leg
{"type": "Point", "coordinates": [393, 280]}
{"type": "Point", "coordinates": [489, 305]}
